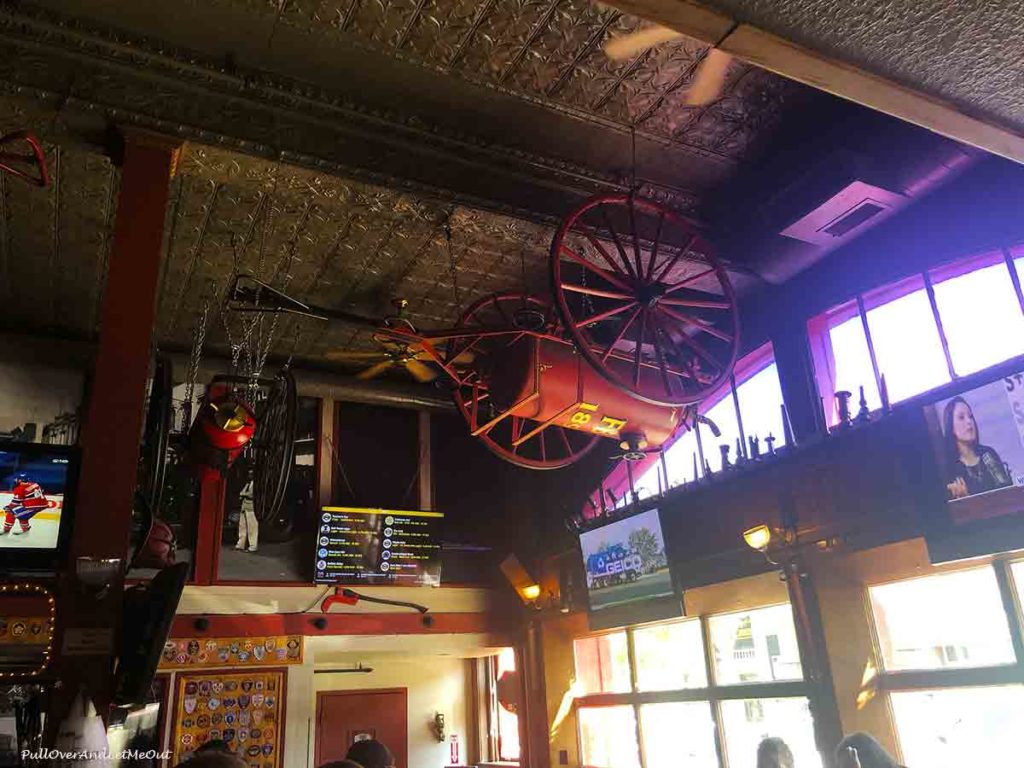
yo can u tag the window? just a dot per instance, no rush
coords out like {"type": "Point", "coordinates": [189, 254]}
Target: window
{"type": "Point", "coordinates": [981, 318]}
{"type": "Point", "coordinates": [977, 321]}
{"type": "Point", "coordinates": [760, 400]}
{"type": "Point", "coordinates": [507, 722]}
{"type": "Point", "coordinates": [955, 684]}
{"type": "Point", "coordinates": [907, 345]}
{"type": "Point", "coordinates": [917, 630]}
{"type": "Point", "coordinates": [755, 646]}
{"type": "Point", "coordinates": [678, 695]}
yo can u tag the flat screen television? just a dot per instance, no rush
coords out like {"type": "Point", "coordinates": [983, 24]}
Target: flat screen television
{"type": "Point", "coordinates": [357, 545]}
{"type": "Point", "coordinates": [978, 439]}
{"type": "Point", "coordinates": [37, 500]}
{"type": "Point", "coordinates": [628, 576]}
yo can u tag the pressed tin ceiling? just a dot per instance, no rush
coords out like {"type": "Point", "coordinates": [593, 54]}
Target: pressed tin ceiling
{"type": "Point", "coordinates": [329, 142]}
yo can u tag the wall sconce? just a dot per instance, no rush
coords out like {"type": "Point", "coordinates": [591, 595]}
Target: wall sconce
{"type": "Point", "coordinates": [437, 726]}
{"type": "Point", "coordinates": [771, 542]}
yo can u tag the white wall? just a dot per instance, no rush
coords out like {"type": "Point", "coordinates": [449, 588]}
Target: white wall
{"type": "Point", "coordinates": [36, 393]}
{"type": "Point", "coordinates": [435, 684]}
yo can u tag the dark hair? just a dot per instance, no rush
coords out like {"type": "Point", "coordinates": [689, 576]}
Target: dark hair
{"type": "Point", "coordinates": [215, 745]}
{"type": "Point", "coordinates": [869, 751]}
{"type": "Point", "coordinates": [949, 437]}
{"type": "Point", "coordinates": [773, 752]}
{"type": "Point", "coordinates": [370, 753]}
{"type": "Point", "coordinates": [341, 764]}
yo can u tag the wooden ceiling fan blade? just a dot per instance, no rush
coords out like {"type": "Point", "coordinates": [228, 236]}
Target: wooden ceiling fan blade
{"type": "Point", "coordinates": [342, 356]}
{"type": "Point", "coordinates": [635, 43]}
{"type": "Point", "coordinates": [422, 373]}
{"type": "Point", "coordinates": [374, 371]}
{"type": "Point", "coordinates": [709, 79]}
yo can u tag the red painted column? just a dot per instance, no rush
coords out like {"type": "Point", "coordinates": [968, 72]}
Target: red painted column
{"type": "Point", "coordinates": [212, 490]}
{"type": "Point", "coordinates": [114, 415]}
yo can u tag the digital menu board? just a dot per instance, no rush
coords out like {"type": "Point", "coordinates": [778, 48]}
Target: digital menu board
{"type": "Point", "coordinates": [356, 545]}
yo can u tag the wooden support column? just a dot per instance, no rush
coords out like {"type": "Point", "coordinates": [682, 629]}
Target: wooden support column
{"type": "Point", "coordinates": [533, 715]}
{"type": "Point", "coordinates": [325, 453]}
{"type": "Point", "coordinates": [209, 531]}
{"type": "Point", "coordinates": [114, 413]}
{"type": "Point", "coordinates": [796, 377]}
{"type": "Point", "coordinates": [828, 727]}
{"type": "Point", "coordinates": [426, 475]}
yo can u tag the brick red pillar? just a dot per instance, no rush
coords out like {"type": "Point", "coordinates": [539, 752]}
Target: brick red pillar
{"type": "Point", "coordinates": [114, 413]}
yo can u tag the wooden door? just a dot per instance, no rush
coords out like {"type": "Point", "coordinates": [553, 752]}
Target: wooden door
{"type": "Point", "coordinates": [342, 717]}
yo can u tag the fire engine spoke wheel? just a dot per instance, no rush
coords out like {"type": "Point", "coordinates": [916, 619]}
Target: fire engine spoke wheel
{"type": "Point", "coordinates": [644, 299]}
{"type": "Point", "coordinates": [273, 450]}
{"type": "Point", "coordinates": [505, 322]}
{"type": "Point", "coordinates": [156, 435]}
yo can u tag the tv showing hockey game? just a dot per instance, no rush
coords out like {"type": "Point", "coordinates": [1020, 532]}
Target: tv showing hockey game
{"type": "Point", "coordinates": [626, 563]}
{"type": "Point", "coordinates": [36, 491]}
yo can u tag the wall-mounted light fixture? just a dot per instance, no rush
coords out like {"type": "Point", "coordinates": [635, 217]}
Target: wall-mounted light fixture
{"type": "Point", "coordinates": [778, 543]}
{"type": "Point", "coordinates": [522, 582]}
{"type": "Point", "coordinates": [437, 726]}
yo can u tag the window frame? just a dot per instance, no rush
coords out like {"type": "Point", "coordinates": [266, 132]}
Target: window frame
{"type": "Point", "coordinates": [624, 474]}
{"type": "Point", "coordinates": [862, 303]}
{"type": "Point", "coordinates": [997, 675]}
{"type": "Point", "coordinates": [713, 694]}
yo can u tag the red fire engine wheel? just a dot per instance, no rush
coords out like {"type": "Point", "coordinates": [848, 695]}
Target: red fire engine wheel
{"type": "Point", "coordinates": [644, 300]}
{"type": "Point", "coordinates": [505, 321]}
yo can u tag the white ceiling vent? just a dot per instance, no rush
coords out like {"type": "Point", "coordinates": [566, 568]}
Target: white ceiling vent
{"type": "Point", "coordinates": [843, 215]}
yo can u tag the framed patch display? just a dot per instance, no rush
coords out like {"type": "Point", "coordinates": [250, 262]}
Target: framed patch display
{"type": "Point", "coordinates": [198, 652]}
{"type": "Point", "coordinates": [245, 709]}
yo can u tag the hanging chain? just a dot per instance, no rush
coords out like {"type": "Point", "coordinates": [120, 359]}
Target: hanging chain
{"type": "Point", "coordinates": [633, 186]}
{"type": "Point", "coordinates": [198, 340]}
{"type": "Point", "coordinates": [522, 272]}
{"type": "Point", "coordinates": [451, 264]}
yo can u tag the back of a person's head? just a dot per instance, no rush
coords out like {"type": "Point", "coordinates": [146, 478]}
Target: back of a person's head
{"type": "Point", "coordinates": [341, 764]}
{"type": "Point", "coordinates": [370, 754]}
{"type": "Point", "coordinates": [214, 745]}
{"type": "Point", "coordinates": [773, 752]}
{"type": "Point", "coordinates": [213, 759]}
{"type": "Point", "coordinates": [870, 753]}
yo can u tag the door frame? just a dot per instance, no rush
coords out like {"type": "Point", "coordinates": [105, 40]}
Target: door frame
{"type": "Point", "coordinates": [356, 692]}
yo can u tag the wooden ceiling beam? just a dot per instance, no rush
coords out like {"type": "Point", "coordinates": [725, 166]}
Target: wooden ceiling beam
{"type": "Point", "coordinates": [775, 54]}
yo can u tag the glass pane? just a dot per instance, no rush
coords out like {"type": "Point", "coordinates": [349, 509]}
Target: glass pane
{"type": "Point", "coordinates": [958, 727]}
{"type": "Point", "coordinates": [602, 664]}
{"type": "Point", "coordinates": [723, 414]}
{"type": "Point", "coordinates": [508, 723]}
{"type": "Point", "coordinates": [681, 460]}
{"type": "Point", "coordinates": [949, 620]}
{"type": "Point", "coordinates": [670, 657]}
{"type": "Point", "coordinates": [853, 362]}
{"type": "Point", "coordinates": [756, 646]}
{"type": "Point", "coordinates": [662, 726]}
{"type": "Point", "coordinates": [982, 318]}
{"type": "Point", "coordinates": [746, 722]}
{"type": "Point", "coordinates": [760, 399]}
{"type": "Point", "coordinates": [907, 346]}
{"type": "Point", "coordinates": [608, 737]}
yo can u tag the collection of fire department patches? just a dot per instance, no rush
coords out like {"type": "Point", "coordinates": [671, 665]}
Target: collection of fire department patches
{"type": "Point", "coordinates": [232, 652]}
{"type": "Point", "coordinates": [245, 709]}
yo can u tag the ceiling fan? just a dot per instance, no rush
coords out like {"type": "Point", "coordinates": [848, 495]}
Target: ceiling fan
{"type": "Point", "coordinates": [395, 353]}
{"type": "Point", "coordinates": [711, 71]}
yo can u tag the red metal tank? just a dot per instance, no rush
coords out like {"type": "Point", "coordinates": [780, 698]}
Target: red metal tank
{"type": "Point", "coordinates": [554, 385]}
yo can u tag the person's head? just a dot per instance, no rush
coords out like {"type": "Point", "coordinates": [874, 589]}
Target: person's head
{"type": "Point", "coordinates": [215, 745]}
{"type": "Point", "coordinates": [370, 753]}
{"type": "Point", "coordinates": [959, 426]}
{"type": "Point", "coordinates": [773, 752]}
{"type": "Point", "coordinates": [869, 752]}
{"type": "Point", "coordinates": [341, 764]}
{"type": "Point", "coordinates": [213, 759]}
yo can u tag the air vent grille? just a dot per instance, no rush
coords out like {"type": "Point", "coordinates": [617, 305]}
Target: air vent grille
{"type": "Point", "coordinates": [853, 219]}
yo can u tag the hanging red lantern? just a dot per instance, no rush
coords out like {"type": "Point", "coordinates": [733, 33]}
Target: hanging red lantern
{"type": "Point", "coordinates": [223, 427]}
{"type": "Point", "coordinates": [508, 691]}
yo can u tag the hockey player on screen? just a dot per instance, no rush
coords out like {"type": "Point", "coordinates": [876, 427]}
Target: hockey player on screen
{"type": "Point", "coordinates": [27, 498]}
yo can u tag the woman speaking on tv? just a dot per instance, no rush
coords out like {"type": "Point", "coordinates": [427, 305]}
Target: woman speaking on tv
{"type": "Point", "coordinates": [970, 466]}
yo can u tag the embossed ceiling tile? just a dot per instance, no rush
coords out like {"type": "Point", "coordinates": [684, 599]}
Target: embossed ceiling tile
{"type": "Point", "coordinates": [448, 28]}
{"type": "Point", "coordinates": [556, 47]}
{"type": "Point", "coordinates": [88, 185]}
{"type": "Point", "coordinates": [383, 21]}
{"type": "Point", "coordinates": [502, 35]}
